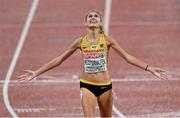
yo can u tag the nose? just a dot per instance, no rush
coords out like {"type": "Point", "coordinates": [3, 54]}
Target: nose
{"type": "Point", "coordinates": [93, 18]}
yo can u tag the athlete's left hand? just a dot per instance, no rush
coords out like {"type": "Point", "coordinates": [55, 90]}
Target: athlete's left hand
{"type": "Point", "coordinates": [158, 72]}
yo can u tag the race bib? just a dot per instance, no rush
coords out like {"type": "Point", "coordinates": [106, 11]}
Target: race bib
{"type": "Point", "coordinates": [95, 62]}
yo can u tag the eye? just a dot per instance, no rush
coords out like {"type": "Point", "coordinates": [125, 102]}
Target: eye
{"type": "Point", "coordinates": [90, 16]}
{"type": "Point", "coordinates": [96, 15]}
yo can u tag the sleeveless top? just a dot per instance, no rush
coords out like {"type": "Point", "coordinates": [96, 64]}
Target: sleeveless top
{"type": "Point", "coordinates": [94, 56]}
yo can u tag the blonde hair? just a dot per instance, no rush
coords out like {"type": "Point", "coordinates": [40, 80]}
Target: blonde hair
{"type": "Point", "coordinates": [99, 13]}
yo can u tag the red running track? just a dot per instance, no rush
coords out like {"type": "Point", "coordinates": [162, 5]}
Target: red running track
{"type": "Point", "coordinates": [147, 29]}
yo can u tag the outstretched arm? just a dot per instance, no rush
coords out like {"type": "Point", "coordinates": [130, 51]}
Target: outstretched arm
{"type": "Point", "coordinates": [160, 73]}
{"type": "Point", "coordinates": [29, 75]}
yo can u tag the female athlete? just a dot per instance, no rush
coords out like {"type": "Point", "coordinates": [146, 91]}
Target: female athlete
{"type": "Point", "coordinates": [95, 81]}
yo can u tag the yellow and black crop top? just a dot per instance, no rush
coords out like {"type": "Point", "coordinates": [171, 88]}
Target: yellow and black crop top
{"type": "Point", "coordinates": [94, 56]}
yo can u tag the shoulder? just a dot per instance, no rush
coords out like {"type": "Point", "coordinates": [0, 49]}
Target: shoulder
{"type": "Point", "coordinates": [77, 42]}
{"type": "Point", "coordinates": [110, 40]}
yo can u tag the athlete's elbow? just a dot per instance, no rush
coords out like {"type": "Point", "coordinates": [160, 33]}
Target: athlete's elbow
{"type": "Point", "coordinates": [56, 62]}
{"type": "Point", "coordinates": [128, 58]}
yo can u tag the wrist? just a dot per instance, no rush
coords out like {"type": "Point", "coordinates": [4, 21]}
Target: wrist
{"type": "Point", "coordinates": [35, 74]}
{"type": "Point", "coordinates": [148, 68]}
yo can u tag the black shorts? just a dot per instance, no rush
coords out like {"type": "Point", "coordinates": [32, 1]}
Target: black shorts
{"type": "Point", "coordinates": [96, 89]}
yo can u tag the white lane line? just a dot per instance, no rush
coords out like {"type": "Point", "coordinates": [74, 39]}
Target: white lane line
{"type": "Point", "coordinates": [107, 14]}
{"type": "Point", "coordinates": [16, 56]}
{"type": "Point", "coordinates": [172, 114]}
{"type": "Point", "coordinates": [55, 109]}
{"type": "Point", "coordinates": [52, 79]}
{"type": "Point", "coordinates": [118, 112]}
{"type": "Point", "coordinates": [27, 110]}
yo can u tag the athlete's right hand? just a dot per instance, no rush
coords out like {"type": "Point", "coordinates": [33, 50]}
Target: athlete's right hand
{"type": "Point", "coordinates": [28, 76]}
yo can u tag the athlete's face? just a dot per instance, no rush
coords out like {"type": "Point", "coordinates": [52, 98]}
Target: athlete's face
{"type": "Point", "coordinates": [93, 19]}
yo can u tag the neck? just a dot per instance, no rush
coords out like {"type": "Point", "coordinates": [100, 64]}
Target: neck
{"type": "Point", "coordinates": [93, 33]}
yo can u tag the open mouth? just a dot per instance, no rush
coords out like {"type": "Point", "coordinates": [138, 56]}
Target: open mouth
{"type": "Point", "coordinates": [93, 21]}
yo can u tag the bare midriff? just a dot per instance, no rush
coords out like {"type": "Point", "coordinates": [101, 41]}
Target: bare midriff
{"type": "Point", "coordinates": [99, 77]}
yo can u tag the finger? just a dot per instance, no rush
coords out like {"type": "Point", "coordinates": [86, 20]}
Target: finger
{"type": "Point", "coordinates": [163, 73]}
{"type": "Point", "coordinates": [21, 80]}
{"type": "Point", "coordinates": [162, 70]}
{"type": "Point", "coordinates": [164, 77]}
{"type": "Point", "coordinates": [159, 76]}
{"type": "Point", "coordinates": [24, 80]}
{"type": "Point", "coordinates": [29, 71]}
{"type": "Point", "coordinates": [27, 80]}
{"type": "Point", "coordinates": [21, 76]}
